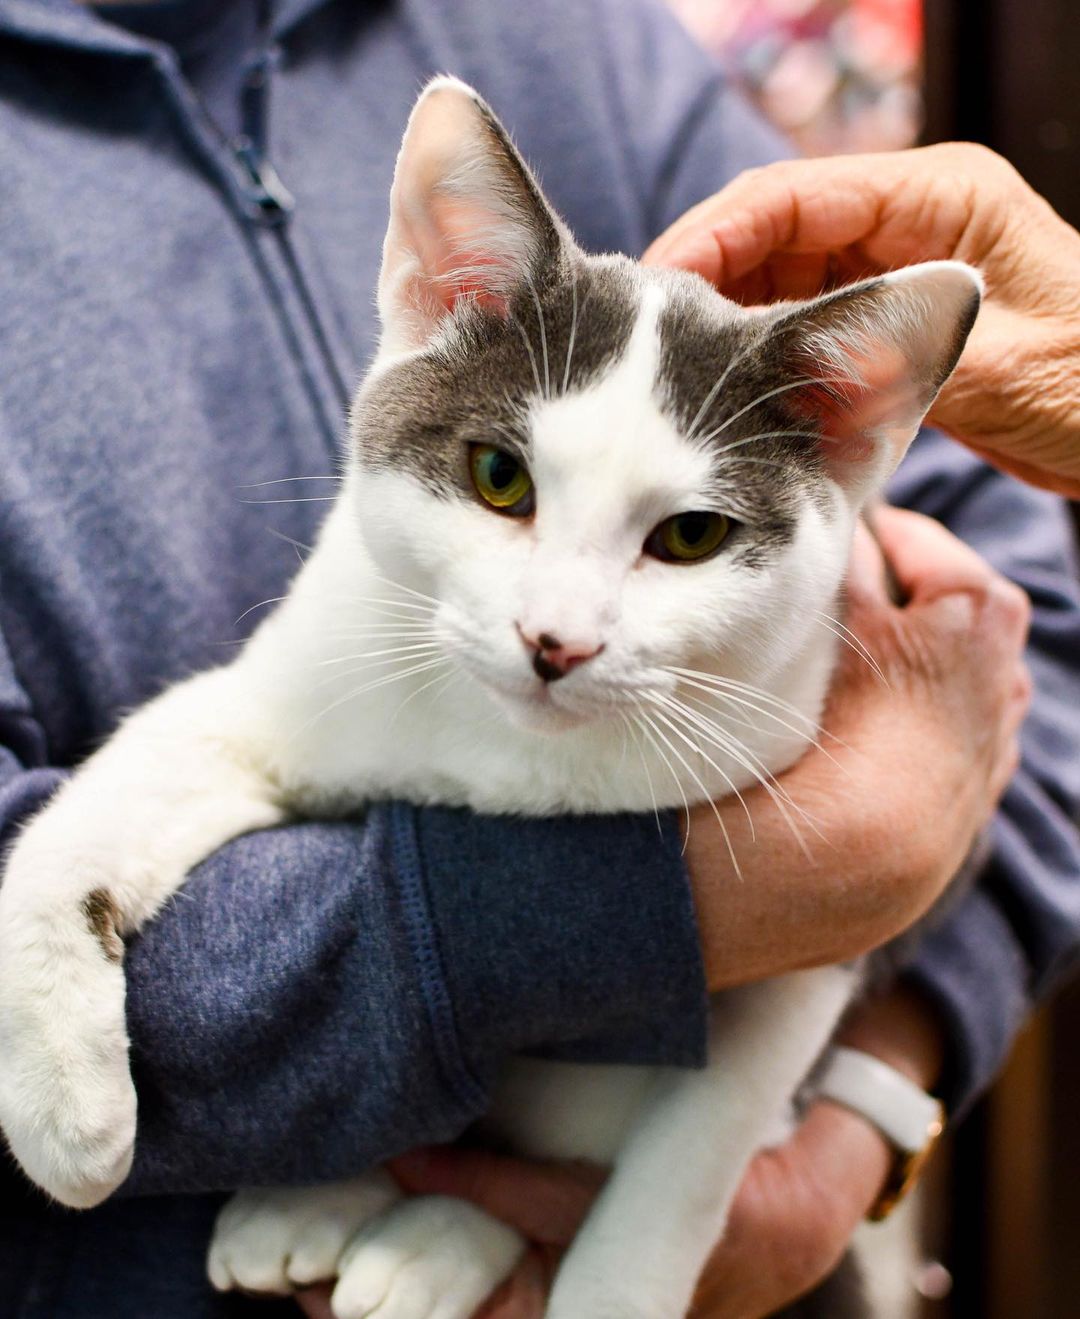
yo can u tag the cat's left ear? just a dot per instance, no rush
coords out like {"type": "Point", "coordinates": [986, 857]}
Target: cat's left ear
{"type": "Point", "coordinates": [467, 219]}
{"type": "Point", "coordinates": [873, 358]}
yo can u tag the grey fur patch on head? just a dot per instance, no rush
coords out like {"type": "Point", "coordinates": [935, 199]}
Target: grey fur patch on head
{"type": "Point", "coordinates": [723, 379]}
{"type": "Point", "coordinates": [102, 917]}
{"type": "Point", "coordinates": [566, 326]}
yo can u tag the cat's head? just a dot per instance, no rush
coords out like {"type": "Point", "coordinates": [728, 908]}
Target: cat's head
{"type": "Point", "coordinates": [605, 473]}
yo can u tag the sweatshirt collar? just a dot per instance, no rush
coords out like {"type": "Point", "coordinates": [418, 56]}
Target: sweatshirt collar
{"type": "Point", "coordinates": [74, 25]}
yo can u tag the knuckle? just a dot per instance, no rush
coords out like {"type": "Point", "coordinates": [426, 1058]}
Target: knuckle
{"type": "Point", "coordinates": [1011, 606]}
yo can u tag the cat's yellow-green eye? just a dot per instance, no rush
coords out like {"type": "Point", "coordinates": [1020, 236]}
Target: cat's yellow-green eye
{"type": "Point", "coordinates": [501, 480]}
{"type": "Point", "coordinates": [688, 537]}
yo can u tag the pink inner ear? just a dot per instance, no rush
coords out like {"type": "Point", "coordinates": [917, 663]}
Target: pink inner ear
{"type": "Point", "coordinates": [851, 406]}
{"type": "Point", "coordinates": [458, 266]}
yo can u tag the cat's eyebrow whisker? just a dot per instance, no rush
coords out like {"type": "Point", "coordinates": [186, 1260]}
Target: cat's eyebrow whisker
{"type": "Point", "coordinates": [529, 349]}
{"type": "Point", "coordinates": [543, 333]}
{"type": "Point", "coordinates": [849, 639]}
{"type": "Point", "coordinates": [772, 393]}
{"type": "Point", "coordinates": [573, 334]}
{"type": "Point", "coordinates": [753, 439]}
{"type": "Point", "coordinates": [645, 766]}
{"type": "Point", "coordinates": [707, 402]}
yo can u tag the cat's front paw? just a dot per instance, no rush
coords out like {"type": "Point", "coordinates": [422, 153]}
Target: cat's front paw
{"type": "Point", "coordinates": [274, 1239]}
{"type": "Point", "coordinates": [67, 1103]}
{"type": "Point", "coordinates": [431, 1257]}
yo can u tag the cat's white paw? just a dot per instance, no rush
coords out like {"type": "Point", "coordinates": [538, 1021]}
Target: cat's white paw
{"type": "Point", "coordinates": [427, 1258]}
{"type": "Point", "coordinates": [272, 1240]}
{"type": "Point", "coordinates": [67, 1103]}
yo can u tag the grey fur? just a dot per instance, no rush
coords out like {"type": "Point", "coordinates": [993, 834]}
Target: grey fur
{"type": "Point", "coordinates": [728, 378]}
{"type": "Point", "coordinates": [474, 383]}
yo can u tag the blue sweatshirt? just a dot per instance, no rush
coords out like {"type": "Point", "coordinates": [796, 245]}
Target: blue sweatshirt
{"type": "Point", "coordinates": [185, 305]}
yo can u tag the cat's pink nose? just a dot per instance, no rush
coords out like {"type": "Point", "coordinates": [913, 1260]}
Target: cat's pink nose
{"type": "Point", "coordinates": [552, 657]}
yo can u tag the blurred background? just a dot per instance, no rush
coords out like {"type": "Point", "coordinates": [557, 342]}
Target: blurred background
{"type": "Point", "coordinates": [999, 1218]}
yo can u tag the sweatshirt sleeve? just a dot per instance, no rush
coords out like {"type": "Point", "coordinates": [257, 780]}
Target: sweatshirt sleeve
{"type": "Point", "coordinates": [321, 996]}
{"type": "Point", "coordinates": [1016, 935]}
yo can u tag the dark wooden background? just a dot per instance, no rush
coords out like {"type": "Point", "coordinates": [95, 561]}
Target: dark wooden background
{"type": "Point", "coordinates": [1007, 73]}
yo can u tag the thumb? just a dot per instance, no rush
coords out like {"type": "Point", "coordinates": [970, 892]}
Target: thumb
{"type": "Point", "coordinates": [546, 1202]}
{"type": "Point", "coordinates": [929, 562]}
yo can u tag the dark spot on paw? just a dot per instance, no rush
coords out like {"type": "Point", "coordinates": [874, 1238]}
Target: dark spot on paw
{"type": "Point", "coordinates": [102, 917]}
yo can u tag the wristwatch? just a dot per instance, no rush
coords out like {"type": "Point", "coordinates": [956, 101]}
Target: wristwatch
{"type": "Point", "coordinates": [910, 1120]}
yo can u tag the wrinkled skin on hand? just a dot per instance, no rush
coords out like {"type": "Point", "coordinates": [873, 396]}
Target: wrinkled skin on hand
{"type": "Point", "coordinates": [792, 229]}
{"type": "Point", "coordinates": [933, 719]}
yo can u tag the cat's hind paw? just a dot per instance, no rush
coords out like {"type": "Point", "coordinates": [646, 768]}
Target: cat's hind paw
{"type": "Point", "coordinates": [67, 1103]}
{"type": "Point", "coordinates": [428, 1258]}
{"type": "Point", "coordinates": [279, 1238]}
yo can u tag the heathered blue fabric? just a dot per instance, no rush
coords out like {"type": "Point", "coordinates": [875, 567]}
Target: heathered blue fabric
{"type": "Point", "coordinates": [323, 995]}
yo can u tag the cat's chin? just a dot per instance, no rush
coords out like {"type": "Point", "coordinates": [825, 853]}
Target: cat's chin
{"type": "Point", "coordinates": [538, 713]}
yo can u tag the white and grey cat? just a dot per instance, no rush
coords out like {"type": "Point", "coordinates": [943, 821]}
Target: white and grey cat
{"type": "Point", "coordinates": [585, 558]}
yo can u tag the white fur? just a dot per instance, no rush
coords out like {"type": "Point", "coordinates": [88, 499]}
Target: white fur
{"type": "Point", "coordinates": [395, 666]}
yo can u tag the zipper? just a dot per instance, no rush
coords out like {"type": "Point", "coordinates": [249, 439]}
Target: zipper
{"type": "Point", "coordinates": [272, 200]}
{"type": "Point", "coordinates": [273, 203]}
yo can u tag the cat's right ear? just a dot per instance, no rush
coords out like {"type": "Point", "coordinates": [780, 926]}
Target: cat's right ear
{"type": "Point", "coordinates": [467, 219]}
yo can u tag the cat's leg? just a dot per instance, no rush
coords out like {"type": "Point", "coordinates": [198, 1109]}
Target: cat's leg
{"type": "Point", "coordinates": [429, 1257]}
{"type": "Point", "coordinates": [646, 1241]}
{"type": "Point", "coordinates": [275, 1239]}
{"type": "Point", "coordinates": [179, 779]}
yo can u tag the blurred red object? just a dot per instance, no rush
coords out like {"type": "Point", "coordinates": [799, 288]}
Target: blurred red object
{"type": "Point", "coordinates": [837, 75]}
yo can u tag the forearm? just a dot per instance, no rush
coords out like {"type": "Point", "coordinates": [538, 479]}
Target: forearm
{"type": "Point", "coordinates": [321, 997]}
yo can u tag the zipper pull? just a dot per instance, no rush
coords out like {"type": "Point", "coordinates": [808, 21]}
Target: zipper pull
{"type": "Point", "coordinates": [272, 200]}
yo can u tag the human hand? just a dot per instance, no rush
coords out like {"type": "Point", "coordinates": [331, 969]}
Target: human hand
{"type": "Point", "coordinates": [791, 1221]}
{"type": "Point", "coordinates": [792, 229]}
{"type": "Point", "coordinates": [907, 774]}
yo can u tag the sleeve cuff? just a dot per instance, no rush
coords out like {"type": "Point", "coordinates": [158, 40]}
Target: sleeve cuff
{"type": "Point", "coordinates": [575, 937]}
{"type": "Point", "coordinates": [974, 973]}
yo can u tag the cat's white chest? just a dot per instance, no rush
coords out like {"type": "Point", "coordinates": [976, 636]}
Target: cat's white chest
{"type": "Point", "coordinates": [555, 1110]}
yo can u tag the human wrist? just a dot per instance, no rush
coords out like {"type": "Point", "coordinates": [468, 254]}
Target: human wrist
{"type": "Point", "coordinates": [900, 1028]}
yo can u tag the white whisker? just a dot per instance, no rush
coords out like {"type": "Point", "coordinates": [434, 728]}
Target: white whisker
{"type": "Point", "coordinates": [645, 724]}
{"type": "Point", "coordinates": [645, 766]}
{"type": "Point", "coordinates": [849, 638]}
{"type": "Point", "coordinates": [543, 334]}
{"type": "Point", "coordinates": [573, 334]}
{"type": "Point", "coordinates": [529, 349]}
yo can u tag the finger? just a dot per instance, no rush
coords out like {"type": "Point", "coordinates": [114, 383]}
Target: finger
{"type": "Point", "coordinates": [523, 1295]}
{"type": "Point", "coordinates": [929, 562]}
{"type": "Point", "coordinates": [866, 578]}
{"type": "Point", "coordinates": [546, 1202]}
{"type": "Point", "coordinates": [315, 1302]}
{"type": "Point", "coordinates": [803, 207]}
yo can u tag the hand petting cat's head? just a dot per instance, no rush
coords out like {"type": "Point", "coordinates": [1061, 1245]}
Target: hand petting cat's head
{"type": "Point", "coordinates": [607, 474]}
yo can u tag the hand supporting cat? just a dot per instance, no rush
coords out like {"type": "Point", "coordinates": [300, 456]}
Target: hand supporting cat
{"type": "Point", "coordinates": [551, 498]}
